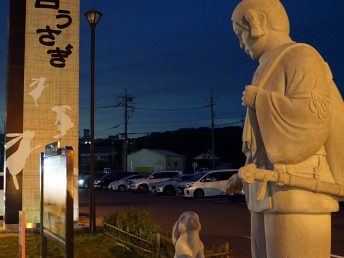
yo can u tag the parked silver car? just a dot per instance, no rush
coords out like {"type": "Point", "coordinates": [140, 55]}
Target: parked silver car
{"type": "Point", "coordinates": [143, 184]}
{"type": "Point", "coordinates": [169, 187]}
{"type": "Point", "coordinates": [121, 185]}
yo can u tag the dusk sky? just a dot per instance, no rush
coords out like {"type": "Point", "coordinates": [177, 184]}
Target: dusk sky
{"type": "Point", "coordinates": [170, 55]}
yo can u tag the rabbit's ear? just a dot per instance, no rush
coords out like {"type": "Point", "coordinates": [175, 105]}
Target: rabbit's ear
{"type": "Point", "coordinates": [66, 107]}
{"type": "Point", "coordinates": [13, 141]}
{"type": "Point", "coordinates": [196, 225]}
{"type": "Point", "coordinates": [175, 232]}
{"type": "Point", "coordinates": [10, 135]}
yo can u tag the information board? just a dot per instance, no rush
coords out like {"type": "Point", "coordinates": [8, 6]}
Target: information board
{"type": "Point", "coordinates": [55, 194]}
{"type": "Point", "coordinates": [57, 198]}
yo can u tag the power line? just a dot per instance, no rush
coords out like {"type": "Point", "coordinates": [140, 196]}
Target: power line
{"type": "Point", "coordinates": [330, 25]}
{"type": "Point", "coordinates": [101, 107]}
{"type": "Point", "coordinates": [233, 65]}
{"type": "Point", "coordinates": [109, 106]}
{"type": "Point", "coordinates": [188, 121]}
{"type": "Point", "coordinates": [183, 121]}
{"type": "Point", "coordinates": [239, 122]}
{"type": "Point", "coordinates": [110, 128]}
{"type": "Point", "coordinates": [232, 123]}
{"type": "Point", "coordinates": [151, 109]}
{"type": "Point", "coordinates": [171, 109]}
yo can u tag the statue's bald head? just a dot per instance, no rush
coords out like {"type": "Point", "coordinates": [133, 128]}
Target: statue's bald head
{"type": "Point", "coordinates": [247, 12]}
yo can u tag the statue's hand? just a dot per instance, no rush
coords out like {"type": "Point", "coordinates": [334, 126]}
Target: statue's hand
{"type": "Point", "coordinates": [234, 184]}
{"type": "Point", "coordinates": [249, 96]}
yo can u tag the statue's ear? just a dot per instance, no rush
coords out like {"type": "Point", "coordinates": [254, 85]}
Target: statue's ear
{"type": "Point", "coordinates": [257, 22]}
{"type": "Point", "coordinates": [175, 232]}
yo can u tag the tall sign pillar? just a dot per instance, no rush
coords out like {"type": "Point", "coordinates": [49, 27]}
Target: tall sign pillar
{"type": "Point", "coordinates": [42, 96]}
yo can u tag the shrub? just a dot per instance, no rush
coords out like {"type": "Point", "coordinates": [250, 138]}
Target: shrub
{"type": "Point", "coordinates": [141, 223]}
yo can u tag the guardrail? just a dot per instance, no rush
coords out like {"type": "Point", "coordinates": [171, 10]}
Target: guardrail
{"type": "Point", "coordinates": [152, 246]}
{"type": "Point", "coordinates": [129, 240]}
{"type": "Point", "coordinates": [225, 253]}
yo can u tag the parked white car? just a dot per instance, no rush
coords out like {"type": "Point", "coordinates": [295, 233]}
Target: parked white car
{"type": "Point", "coordinates": [203, 184]}
{"type": "Point", "coordinates": [169, 187]}
{"type": "Point", "coordinates": [121, 185]}
{"type": "Point", "coordinates": [143, 184]}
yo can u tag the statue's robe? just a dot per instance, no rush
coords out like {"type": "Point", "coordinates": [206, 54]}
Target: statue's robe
{"type": "Point", "coordinates": [291, 126]}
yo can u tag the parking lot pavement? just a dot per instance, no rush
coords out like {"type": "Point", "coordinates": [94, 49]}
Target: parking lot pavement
{"type": "Point", "coordinates": [221, 219]}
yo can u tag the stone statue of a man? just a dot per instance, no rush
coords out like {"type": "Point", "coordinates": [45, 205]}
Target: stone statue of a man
{"type": "Point", "coordinates": [294, 111]}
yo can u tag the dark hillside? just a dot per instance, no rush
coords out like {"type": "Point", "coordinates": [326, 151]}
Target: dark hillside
{"type": "Point", "coordinates": [192, 142]}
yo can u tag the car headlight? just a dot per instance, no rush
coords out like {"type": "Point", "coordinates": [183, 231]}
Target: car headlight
{"type": "Point", "coordinates": [81, 181]}
{"type": "Point", "coordinates": [97, 181]}
{"type": "Point", "coordinates": [189, 184]}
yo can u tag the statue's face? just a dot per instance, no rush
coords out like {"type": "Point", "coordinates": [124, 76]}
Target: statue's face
{"type": "Point", "coordinates": [251, 46]}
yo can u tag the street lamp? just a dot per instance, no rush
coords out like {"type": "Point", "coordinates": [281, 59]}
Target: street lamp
{"type": "Point", "coordinates": [93, 16]}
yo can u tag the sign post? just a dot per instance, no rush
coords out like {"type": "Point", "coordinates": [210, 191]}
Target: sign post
{"type": "Point", "coordinates": [22, 224]}
{"type": "Point", "coordinates": [194, 166]}
{"type": "Point", "coordinates": [57, 198]}
{"type": "Point", "coordinates": [42, 97]}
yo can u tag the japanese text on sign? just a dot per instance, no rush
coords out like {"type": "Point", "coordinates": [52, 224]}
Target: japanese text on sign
{"type": "Point", "coordinates": [48, 35]}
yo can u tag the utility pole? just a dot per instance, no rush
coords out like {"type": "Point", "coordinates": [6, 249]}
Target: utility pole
{"type": "Point", "coordinates": [212, 130]}
{"type": "Point", "coordinates": [125, 101]}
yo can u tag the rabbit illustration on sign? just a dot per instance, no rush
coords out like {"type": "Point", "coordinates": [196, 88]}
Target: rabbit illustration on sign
{"type": "Point", "coordinates": [63, 121]}
{"type": "Point", "coordinates": [16, 162]}
{"type": "Point", "coordinates": [39, 84]}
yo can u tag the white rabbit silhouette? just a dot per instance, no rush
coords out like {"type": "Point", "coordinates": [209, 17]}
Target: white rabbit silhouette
{"type": "Point", "coordinates": [37, 92]}
{"type": "Point", "coordinates": [63, 121]}
{"type": "Point", "coordinates": [16, 162]}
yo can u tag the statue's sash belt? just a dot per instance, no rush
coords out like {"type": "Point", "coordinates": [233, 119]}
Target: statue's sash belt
{"type": "Point", "coordinates": [251, 173]}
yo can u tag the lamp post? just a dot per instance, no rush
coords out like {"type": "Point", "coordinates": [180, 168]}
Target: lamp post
{"type": "Point", "coordinates": [93, 16]}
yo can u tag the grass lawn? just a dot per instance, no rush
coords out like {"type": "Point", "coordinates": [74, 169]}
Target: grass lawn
{"type": "Point", "coordinates": [85, 246]}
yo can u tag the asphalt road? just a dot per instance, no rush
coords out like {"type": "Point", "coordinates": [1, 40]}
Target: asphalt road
{"type": "Point", "coordinates": [221, 220]}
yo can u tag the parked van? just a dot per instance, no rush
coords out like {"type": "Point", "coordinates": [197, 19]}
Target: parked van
{"type": "Point", "coordinates": [203, 184]}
